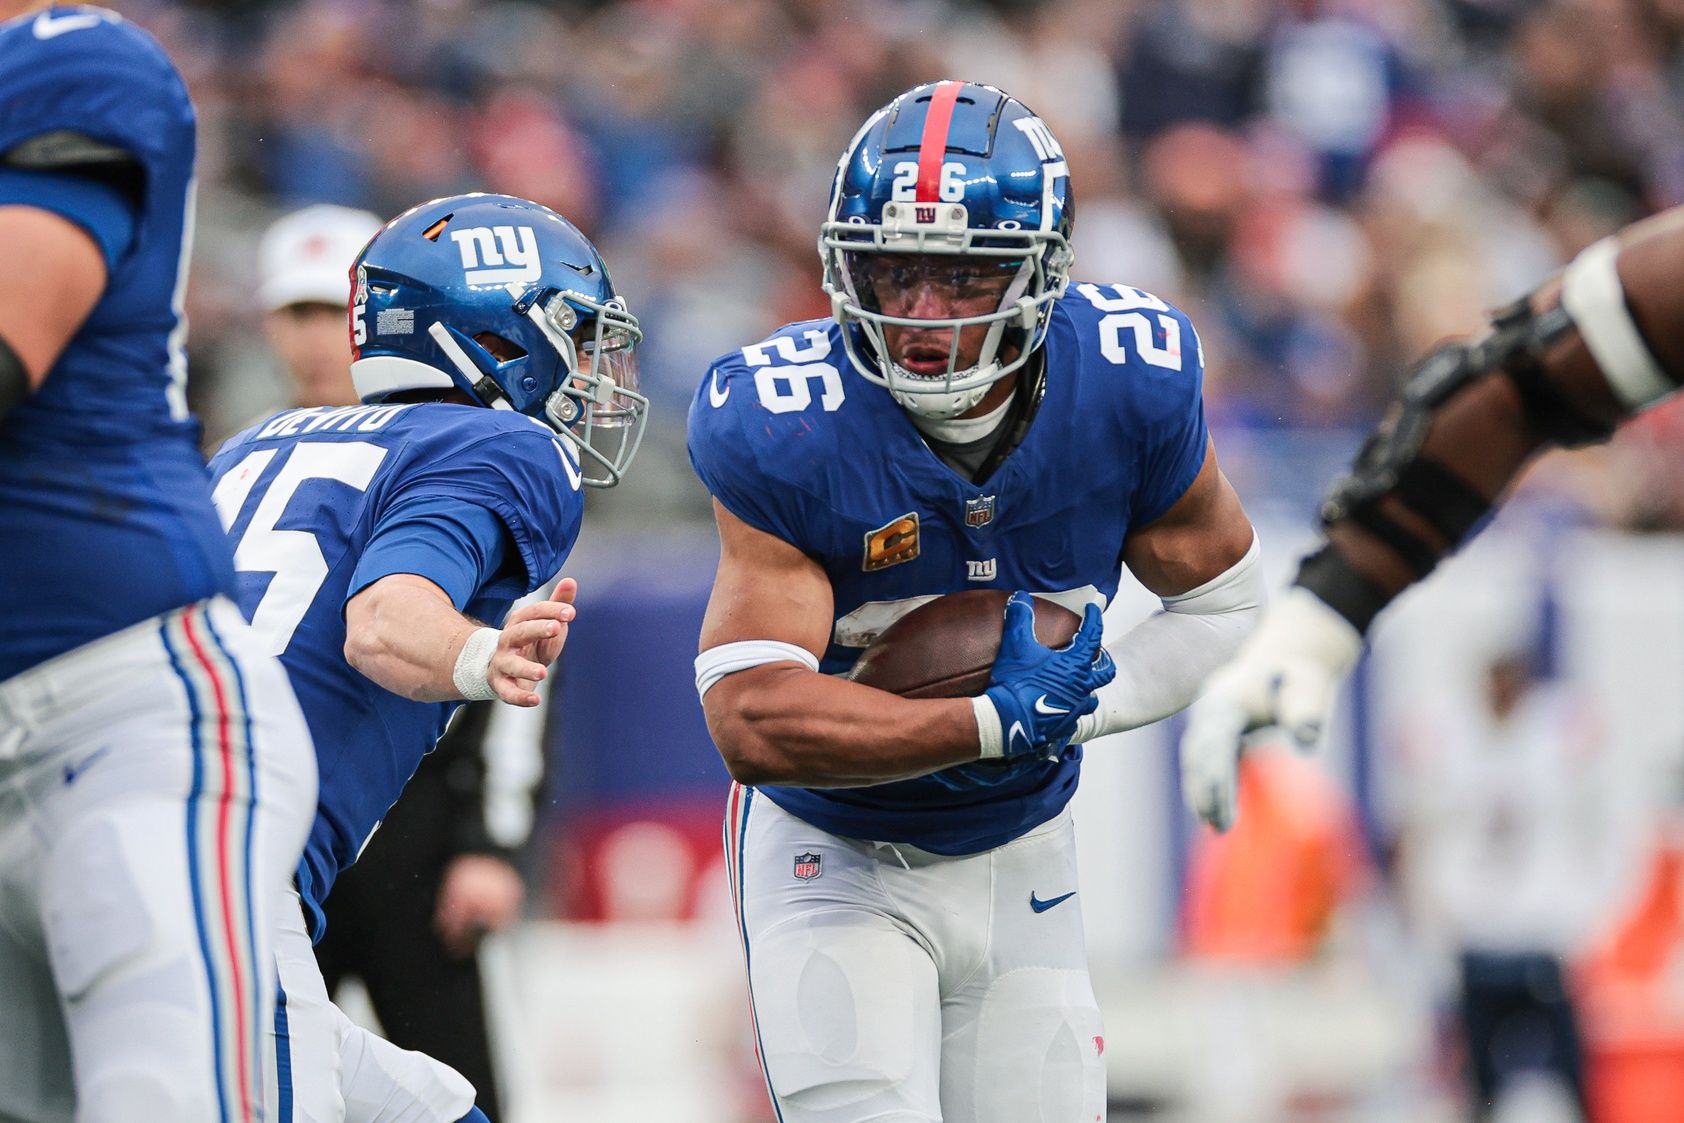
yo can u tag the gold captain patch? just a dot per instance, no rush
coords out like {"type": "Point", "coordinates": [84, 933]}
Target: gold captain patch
{"type": "Point", "coordinates": [892, 543]}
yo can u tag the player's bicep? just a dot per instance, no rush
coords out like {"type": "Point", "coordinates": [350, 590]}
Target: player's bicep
{"type": "Point", "coordinates": [765, 589]}
{"type": "Point", "coordinates": [52, 273]}
{"type": "Point", "coordinates": [1202, 535]}
{"type": "Point", "coordinates": [384, 611]}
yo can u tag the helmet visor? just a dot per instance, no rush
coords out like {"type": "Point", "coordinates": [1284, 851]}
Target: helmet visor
{"type": "Point", "coordinates": [598, 405]}
{"type": "Point", "coordinates": [939, 287]}
{"type": "Point", "coordinates": [608, 361]}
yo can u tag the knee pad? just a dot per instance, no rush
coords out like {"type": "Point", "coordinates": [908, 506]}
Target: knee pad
{"type": "Point", "coordinates": [848, 1020]}
{"type": "Point", "coordinates": [99, 918]}
{"type": "Point", "coordinates": [1038, 1052]}
{"type": "Point", "coordinates": [143, 1094]}
{"type": "Point", "coordinates": [382, 1083]}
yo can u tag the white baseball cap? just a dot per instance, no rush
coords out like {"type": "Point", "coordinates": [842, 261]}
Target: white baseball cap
{"type": "Point", "coordinates": [306, 256]}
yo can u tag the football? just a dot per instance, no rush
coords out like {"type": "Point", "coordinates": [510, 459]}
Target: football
{"type": "Point", "coordinates": [945, 648]}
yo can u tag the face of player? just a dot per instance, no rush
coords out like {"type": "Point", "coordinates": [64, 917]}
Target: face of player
{"type": "Point", "coordinates": [934, 287]}
{"type": "Point", "coordinates": [311, 342]}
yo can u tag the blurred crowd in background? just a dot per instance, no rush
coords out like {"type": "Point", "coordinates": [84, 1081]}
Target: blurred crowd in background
{"type": "Point", "coordinates": [1328, 187]}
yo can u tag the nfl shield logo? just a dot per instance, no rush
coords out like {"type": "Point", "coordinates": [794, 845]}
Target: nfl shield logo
{"type": "Point", "coordinates": [979, 511]}
{"type": "Point", "coordinates": [807, 866]}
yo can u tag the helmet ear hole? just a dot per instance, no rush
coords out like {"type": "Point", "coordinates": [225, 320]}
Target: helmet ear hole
{"type": "Point", "coordinates": [503, 350]}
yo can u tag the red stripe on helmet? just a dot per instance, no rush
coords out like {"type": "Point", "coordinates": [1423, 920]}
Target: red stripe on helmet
{"type": "Point", "coordinates": [933, 146]}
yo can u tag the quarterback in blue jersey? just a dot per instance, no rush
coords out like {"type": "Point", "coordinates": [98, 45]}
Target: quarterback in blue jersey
{"type": "Point", "coordinates": [497, 367]}
{"type": "Point", "coordinates": [968, 417]}
{"type": "Point", "coordinates": [156, 778]}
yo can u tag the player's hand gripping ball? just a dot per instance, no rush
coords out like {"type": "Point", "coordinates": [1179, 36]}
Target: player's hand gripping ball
{"type": "Point", "coordinates": [1037, 661]}
{"type": "Point", "coordinates": [1041, 692]}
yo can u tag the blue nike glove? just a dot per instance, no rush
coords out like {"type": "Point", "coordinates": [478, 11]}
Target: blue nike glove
{"type": "Point", "coordinates": [1039, 693]}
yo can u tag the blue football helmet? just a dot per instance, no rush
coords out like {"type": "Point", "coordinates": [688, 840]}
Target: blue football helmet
{"type": "Point", "coordinates": [949, 170]}
{"type": "Point", "coordinates": [506, 301]}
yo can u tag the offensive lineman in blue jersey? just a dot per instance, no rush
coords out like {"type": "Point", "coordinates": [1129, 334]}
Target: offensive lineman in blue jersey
{"type": "Point", "coordinates": [961, 421]}
{"type": "Point", "coordinates": [370, 539]}
{"type": "Point", "coordinates": [156, 778]}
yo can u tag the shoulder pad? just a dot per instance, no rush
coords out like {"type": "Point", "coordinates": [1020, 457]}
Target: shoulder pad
{"type": "Point", "coordinates": [1116, 326]}
{"type": "Point", "coordinates": [767, 417]}
{"type": "Point", "coordinates": [88, 73]}
{"type": "Point", "coordinates": [507, 462]}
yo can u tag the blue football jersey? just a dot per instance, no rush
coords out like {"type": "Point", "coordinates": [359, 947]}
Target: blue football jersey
{"type": "Point", "coordinates": [105, 510]}
{"type": "Point", "coordinates": [303, 495]}
{"type": "Point", "coordinates": [790, 439]}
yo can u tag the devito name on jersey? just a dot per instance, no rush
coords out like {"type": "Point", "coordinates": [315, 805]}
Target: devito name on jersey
{"type": "Point", "coordinates": [305, 493]}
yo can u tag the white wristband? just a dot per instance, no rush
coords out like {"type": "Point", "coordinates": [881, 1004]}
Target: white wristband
{"type": "Point", "coordinates": [990, 737]}
{"type": "Point", "coordinates": [473, 665]}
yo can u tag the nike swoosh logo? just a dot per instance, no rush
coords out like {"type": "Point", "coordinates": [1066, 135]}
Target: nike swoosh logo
{"type": "Point", "coordinates": [1041, 707]}
{"type": "Point", "coordinates": [49, 26]}
{"type": "Point", "coordinates": [1042, 906]}
{"type": "Point", "coordinates": [715, 394]}
{"type": "Point", "coordinates": [73, 771]}
{"type": "Point", "coordinates": [1014, 733]}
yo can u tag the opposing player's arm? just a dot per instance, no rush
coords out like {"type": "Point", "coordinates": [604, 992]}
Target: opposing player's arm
{"type": "Point", "coordinates": [404, 632]}
{"type": "Point", "coordinates": [1200, 558]}
{"type": "Point", "coordinates": [51, 275]}
{"type": "Point", "coordinates": [1561, 367]}
{"type": "Point", "coordinates": [780, 721]}
{"type": "Point", "coordinates": [1584, 351]}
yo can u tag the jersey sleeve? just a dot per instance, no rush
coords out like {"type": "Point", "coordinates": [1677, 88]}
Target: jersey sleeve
{"type": "Point", "coordinates": [102, 211]}
{"type": "Point", "coordinates": [462, 548]}
{"type": "Point", "coordinates": [511, 467]}
{"type": "Point", "coordinates": [734, 450]}
{"type": "Point", "coordinates": [73, 75]}
{"type": "Point", "coordinates": [1169, 410]}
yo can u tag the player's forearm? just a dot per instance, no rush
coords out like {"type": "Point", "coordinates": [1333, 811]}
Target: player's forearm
{"type": "Point", "coordinates": [1581, 355]}
{"type": "Point", "coordinates": [1162, 661]}
{"type": "Point", "coordinates": [1482, 437]}
{"type": "Point", "coordinates": [406, 635]}
{"type": "Point", "coordinates": [790, 726]}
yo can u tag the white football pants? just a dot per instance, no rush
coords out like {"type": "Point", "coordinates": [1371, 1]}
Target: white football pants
{"type": "Point", "coordinates": [331, 1070]}
{"type": "Point", "coordinates": [156, 786]}
{"type": "Point", "coordinates": [894, 985]}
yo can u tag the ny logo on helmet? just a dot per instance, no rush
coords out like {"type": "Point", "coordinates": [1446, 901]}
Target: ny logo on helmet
{"type": "Point", "coordinates": [1046, 145]}
{"type": "Point", "coordinates": [498, 255]}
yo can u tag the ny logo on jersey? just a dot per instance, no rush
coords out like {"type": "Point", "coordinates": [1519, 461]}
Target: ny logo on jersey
{"type": "Point", "coordinates": [982, 570]}
{"type": "Point", "coordinates": [498, 255]}
{"type": "Point", "coordinates": [808, 865]}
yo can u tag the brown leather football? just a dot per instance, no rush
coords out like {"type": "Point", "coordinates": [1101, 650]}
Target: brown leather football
{"type": "Point", "coordinates": [946, 648]}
